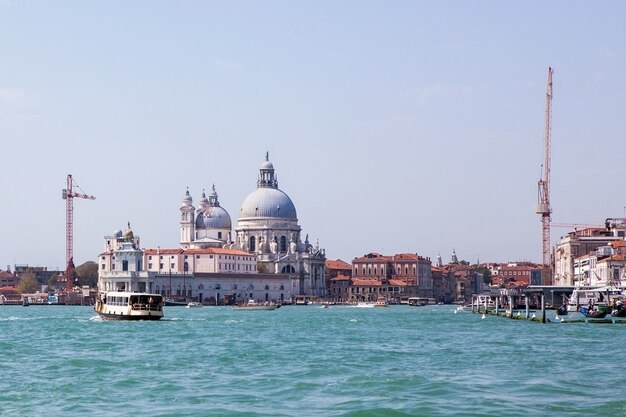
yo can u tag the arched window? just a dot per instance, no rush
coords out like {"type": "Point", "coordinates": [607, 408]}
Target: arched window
{"type": "Point", "coordinates": [267, 287]}
{"type": "Point", "coordinates": [374, 270]}
{"type": "Point", "coordinates": [288, 269]}
{"type": "Point", "coordinates": [283, 244]}
{"type": "Point", "coordinates": [406, 270]}
{"type": "Point", "coordinates": [252, 244]}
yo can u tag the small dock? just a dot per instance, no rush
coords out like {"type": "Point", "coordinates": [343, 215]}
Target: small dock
{"type": "Point", "coordinates": [488, 306]}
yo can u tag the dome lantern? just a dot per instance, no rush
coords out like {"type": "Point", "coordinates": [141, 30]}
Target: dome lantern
{"type": "Point", "coordinates": [266, 174]}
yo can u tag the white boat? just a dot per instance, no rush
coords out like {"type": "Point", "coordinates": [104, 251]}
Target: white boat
{"type": "Point", "coordinates": [381, 302]}
{"type": "Point", "coordinates": [122, 305]}
{"type": "Point", "coordinates": [253, 305]}
{"type": "Point", "coordinates": [363, 304]}
{"type": "Point", "coordinates": [194, 304]}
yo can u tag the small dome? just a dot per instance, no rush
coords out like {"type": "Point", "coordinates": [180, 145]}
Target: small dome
{"type": "Point", "coordinates": [268, 202]}
{"type": "Point", "coordinates": [117, 233]}
{"type": "Point", "coordinates": [187, 200]}
{"type": "Point", "coordinates": [203, 202]}
{"type": "Point", "coordinates": [267, 165]}
{"type": "Point", "coordinates": [213, 217]}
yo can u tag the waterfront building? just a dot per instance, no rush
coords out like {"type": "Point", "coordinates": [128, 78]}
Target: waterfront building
{"type": "Point", "coordinates": [395, 277]}
{"type": "Point", "coordinates": [338, 274]}
{"type": "Point", "coordinates": [8, 279]}
{"type": "Point", "coordinates": [579, 243]}
{"type": "Point", "coordinates": [603, 267]}
{"type": "Point", "coordinates": [513, 274]}
{"type": "Point", "coordinates": [340, 289]}
{"type": "Point", "coordinates": [212, 275]}
{"type": "Point", "coordinates": [444, 284]}
{"type": "Point", "coordinates": [337, 267]}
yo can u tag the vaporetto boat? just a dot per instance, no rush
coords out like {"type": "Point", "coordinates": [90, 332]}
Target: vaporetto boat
{"type": "Point", "coordinates": [121, 305]}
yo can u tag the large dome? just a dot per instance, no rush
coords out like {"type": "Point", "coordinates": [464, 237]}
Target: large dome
{"type": "Point", "coordinates": [268, 202]}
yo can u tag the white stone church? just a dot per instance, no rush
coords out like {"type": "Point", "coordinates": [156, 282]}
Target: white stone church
{"type": "Point", "coordinates": [266, 259]}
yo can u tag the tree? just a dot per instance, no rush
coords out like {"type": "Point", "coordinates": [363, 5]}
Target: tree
{"type": "Point", "coordinates": [486, 274]}
{"type": "Point", "coordinates": [87, 274]}
{"type": "Point", "coordinates": [52, 282]}
{"type": "Point", "coordinates": [28, 284]}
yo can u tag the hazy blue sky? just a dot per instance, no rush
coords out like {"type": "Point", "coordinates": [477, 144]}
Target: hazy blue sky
{"type": "Point", "coordinates": [394, 126]}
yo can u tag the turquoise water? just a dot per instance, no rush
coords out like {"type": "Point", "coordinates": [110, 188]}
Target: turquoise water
{"type": "Point", "coordinates": [306, 361]}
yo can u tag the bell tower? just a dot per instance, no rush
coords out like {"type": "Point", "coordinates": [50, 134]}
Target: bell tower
{"type": "Point", "coordinates": [187, 221]}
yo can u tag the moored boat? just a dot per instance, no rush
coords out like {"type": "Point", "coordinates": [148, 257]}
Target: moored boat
{"type": "Point", "coordinates": [122, 305]}
{"type": "Point", "coordinates": [253, 305]}
{"type": "Point", "coordinates": [594, 313]}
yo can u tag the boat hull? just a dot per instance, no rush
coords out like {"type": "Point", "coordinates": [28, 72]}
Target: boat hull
{"type": "Point", "coordinates": [130, 317]}
{"type": "Point", "coordinates": [273, 307]}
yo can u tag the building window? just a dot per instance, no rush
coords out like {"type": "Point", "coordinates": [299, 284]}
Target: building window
{"type": "Point", "coordinates": [252, 244]}
{"type": "Point", "coordinates": [283, 244]}
{"type": "Point", "coordinates": [219, 235]}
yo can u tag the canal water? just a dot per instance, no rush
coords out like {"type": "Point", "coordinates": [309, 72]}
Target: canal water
{"type": "Point", "coordinates": [306, 361]}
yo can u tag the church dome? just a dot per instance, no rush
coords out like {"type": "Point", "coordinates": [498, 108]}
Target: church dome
{"type": "Point", "coordinates": [268, 202]}
{"type": "Point", "coordinates": [213, 217]}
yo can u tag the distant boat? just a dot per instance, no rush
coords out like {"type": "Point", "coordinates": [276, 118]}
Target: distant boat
{"type": "Point", "coordinates": [122, 305]}
{"type": "Point", "coordinates": [171, 302]}
{"type": "Point", "coordinates": [194, 304]}
{"type": "Point", "coordinates": [381, 302]}
{"type": "Point", "coordinates": [363, 304]}
{"type": "Point", "coordinates": [253, 305]}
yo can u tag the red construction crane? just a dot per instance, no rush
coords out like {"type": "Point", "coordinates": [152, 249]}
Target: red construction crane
{"type": "Point", "coordinates": [543, 206]}
{"type": "Point", "coordinates": [69, 194]}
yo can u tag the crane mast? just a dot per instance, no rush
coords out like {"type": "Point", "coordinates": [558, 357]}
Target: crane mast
{"type": "Point", "coordinates": [543, 207]}
{"type": "Point", "coordinates": [68, 195]}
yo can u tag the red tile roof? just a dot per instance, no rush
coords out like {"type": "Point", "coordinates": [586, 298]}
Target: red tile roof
{"type": "Point", "coordinates": [341, 278]}
{"type": "Point", "coordinates": [212, 251]}
{"type": "Point", "coordinates": [362, 282]}
{"type": "Point", "coordinates": [337, 264]}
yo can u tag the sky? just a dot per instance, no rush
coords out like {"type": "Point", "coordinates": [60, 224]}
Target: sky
{"type": "Point", "coordinates": [394, 126]}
